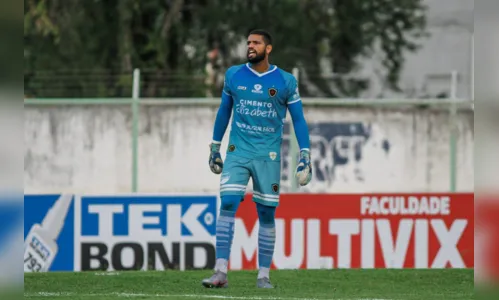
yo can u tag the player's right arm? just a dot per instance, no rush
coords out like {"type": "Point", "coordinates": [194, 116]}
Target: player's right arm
{"type": "Point", "coordinates": [221, 123]}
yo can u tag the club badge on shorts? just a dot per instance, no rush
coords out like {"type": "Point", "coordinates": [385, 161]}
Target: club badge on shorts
{"type": "Point", "coordinates": [273, 155]}
{"type": "Point", "coordinates": [275, 187]}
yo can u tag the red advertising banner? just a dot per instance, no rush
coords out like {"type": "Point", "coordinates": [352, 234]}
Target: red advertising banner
{"type": "Point", "coordinates": [362, 231]}
{"type": "Point", "coordinates": [487, 237]}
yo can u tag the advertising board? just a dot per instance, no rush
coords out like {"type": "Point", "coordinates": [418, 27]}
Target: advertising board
{"type": "Point", "coordinates": [82, 233]}
{"type": "Point", "coordinates": [315, 231]}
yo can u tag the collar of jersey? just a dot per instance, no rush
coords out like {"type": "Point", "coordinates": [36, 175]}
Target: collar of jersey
{"type": "Point", "coordinates": [272, 69]}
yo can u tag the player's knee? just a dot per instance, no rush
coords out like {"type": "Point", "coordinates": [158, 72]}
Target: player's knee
{"type": "Point", "coordinates": [266, 214]}
{"type": "Point", "coordinates": [230, 202]}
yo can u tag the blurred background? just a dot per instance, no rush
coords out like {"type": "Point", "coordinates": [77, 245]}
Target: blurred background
{"type": "Point", "coordinates": [117, 93]}
{"type": "Point", "coordinates": [361, 49]}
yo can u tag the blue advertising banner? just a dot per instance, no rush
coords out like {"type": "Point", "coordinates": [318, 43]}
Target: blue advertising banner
{"type": "Point", "coordinates": [48, 233]}
{"type": "Point", "coordinates": [11, 228]}
{"type": "Point", "coordinates": [131, 232]}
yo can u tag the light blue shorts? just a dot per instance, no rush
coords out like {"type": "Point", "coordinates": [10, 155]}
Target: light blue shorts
{"type": "Point", "coordinates": [266, 176]}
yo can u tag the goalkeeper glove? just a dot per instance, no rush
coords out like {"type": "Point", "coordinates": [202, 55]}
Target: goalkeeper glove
{"type": "Point", "coordinates": [304, 169]}
{"type": "Point", "coordinates": [215, 161]}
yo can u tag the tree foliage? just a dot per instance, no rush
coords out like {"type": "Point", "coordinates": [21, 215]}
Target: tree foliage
{"type": "Point", "coordinates": [81, 42]}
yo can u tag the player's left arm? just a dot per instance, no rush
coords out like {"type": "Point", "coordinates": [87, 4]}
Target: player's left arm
{"type": "Point", "coordinates": [295, 107]}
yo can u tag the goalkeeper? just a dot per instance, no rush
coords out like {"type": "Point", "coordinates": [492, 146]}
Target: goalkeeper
{"type": "Point", "coordinates": [259, 95]}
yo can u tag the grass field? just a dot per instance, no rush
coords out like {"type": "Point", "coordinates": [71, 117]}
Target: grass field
{"type": "Point", "coordinates": [298, 285]}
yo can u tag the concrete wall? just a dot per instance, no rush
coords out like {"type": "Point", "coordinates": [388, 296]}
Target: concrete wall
{"type": "Point", "coordinates": [88, 149]}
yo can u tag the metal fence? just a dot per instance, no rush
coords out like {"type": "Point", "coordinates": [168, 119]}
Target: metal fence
{"type": "Point", "coordinates": [157, 83]}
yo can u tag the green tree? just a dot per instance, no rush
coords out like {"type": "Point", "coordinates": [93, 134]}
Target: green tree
{"type": "Point", "coordinates": [339, 32]}
{"type": "Point", "coordinates": [88, 48]}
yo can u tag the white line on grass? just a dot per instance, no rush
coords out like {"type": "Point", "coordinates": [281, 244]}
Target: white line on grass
{"type": "Point", "coordinates": [133, 295]}
{"type": "Point", "coordinates": [107, 274]}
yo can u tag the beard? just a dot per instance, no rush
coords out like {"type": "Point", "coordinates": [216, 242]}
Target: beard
{"type": "Point", "coordinates": [258, 58]}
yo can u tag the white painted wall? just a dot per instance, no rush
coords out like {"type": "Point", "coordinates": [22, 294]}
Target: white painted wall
{"type": "Point", "coordinates": [88, 149]}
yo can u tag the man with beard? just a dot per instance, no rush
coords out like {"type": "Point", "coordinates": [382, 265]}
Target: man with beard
{"type": "Point", "coordinates": [259, 94]}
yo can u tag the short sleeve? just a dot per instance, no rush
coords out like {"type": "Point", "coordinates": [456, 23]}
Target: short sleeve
{"type": "Point", "coordinates": [293, 92]}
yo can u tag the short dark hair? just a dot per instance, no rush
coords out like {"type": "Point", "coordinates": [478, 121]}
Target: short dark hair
{"type": "Point", "coordinates": [267, 38]}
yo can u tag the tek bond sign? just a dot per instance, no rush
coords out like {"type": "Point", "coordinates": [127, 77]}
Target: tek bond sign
{"type": "Point", "coordinates": [82, 233]}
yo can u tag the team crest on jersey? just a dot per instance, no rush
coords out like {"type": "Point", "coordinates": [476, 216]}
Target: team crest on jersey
{"type": "Point", "coordinates": [275, 188]}
{"type": "Point", "coordinates": [232, 148]}
{"type": "Point", "coordinates": [272, 92]}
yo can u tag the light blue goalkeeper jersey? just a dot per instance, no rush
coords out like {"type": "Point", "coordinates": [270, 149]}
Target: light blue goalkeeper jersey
{"type": "Point", "coordinates": [259, 106]}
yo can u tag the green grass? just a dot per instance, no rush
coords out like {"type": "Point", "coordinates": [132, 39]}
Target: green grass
{"type": "Point", "coordinates": [301, 284]}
